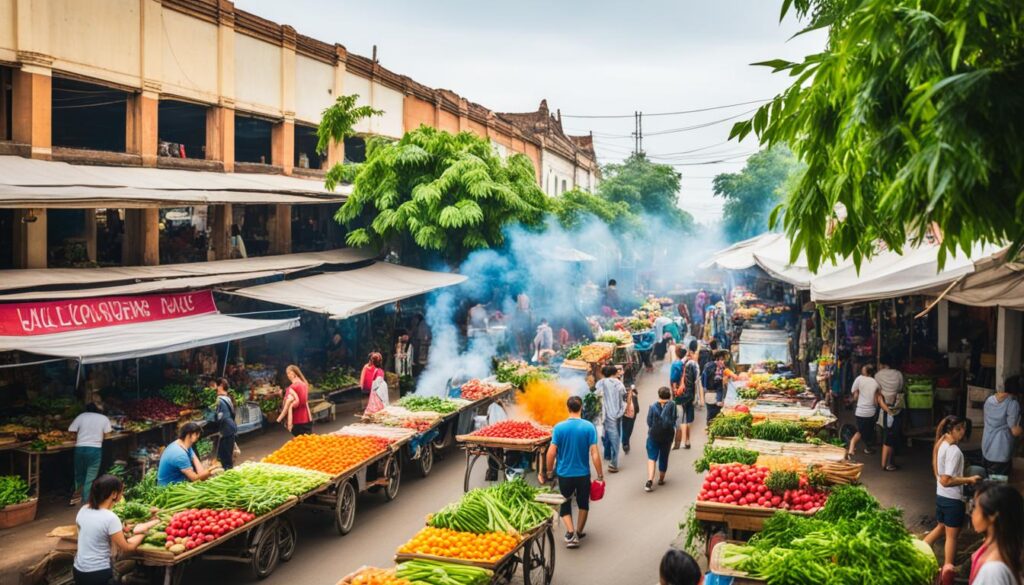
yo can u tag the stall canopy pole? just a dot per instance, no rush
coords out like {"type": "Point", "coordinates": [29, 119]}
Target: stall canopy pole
{"type": "Point", "coordinates": [227, 352]}
{"type": "Point", "coordinates": [78, 375]}
{"type": "Point", "coordinates": [138, 379]}
{"type": "Point", "coordinates": [878, 343]}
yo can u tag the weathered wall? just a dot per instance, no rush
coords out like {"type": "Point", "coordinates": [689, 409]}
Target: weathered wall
{"type": "Point", "coordinates": [257, 75]}
{"type": "Point", "coordinates": [314, 83]}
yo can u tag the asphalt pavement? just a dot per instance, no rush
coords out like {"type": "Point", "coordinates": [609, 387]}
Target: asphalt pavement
{"type": "Point", "coordinates": [627, 533]}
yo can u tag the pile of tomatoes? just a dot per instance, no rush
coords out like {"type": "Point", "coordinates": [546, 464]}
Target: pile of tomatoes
{"type": "Point", "coordinates": [489, 547]}
{"type": "Point", "coordinates": [417, 424]}
{"type": "Point", "coordinates": [193, 528]}
{"type": "Point", "coordinates": [743, 485]}
{"type": "Point", "coordinates": [511, 429]}
{"type": "Point", "coordinates": [331, 454]}
{"type": "Point", "coordinates": [476, 389]}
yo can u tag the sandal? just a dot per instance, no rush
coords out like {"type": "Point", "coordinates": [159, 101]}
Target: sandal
{"type": "Point", "coordinates": [891, 468]}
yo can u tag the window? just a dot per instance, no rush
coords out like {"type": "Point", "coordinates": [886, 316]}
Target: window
{"type": "Point", "coordinates": [183, 235]}
{"type": "Point", "coordinates": [109, 236]}
{"type": "Point", "coordinates": [314, 228]}
{"type": "Point", "coordinates": [90, 116]}
{"type": "Point", "coordinates": [181, 127]}
{"type": "Point", "coordinates": [66, 245]}
{"type": "Point", "coordinates": [355, 149]}
{"type": "Point", "coordinates": [252, 139]}
{"type": "Point", "coordinates": [6, 109]}
{"type": "Point", "coordinates": [306, 156]}
{"type": "Point", "coordinates": [563, 187]}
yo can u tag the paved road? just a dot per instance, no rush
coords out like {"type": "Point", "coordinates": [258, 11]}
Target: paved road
{"type": "Point", "coordinates": [628, 532]}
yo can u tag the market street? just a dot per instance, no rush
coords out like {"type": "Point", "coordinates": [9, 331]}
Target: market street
{"type": "Point", "coordinates": [627, 533]}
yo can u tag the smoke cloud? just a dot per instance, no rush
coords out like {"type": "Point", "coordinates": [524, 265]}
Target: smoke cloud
{"type": "Point", "coordinates": [536, 264]}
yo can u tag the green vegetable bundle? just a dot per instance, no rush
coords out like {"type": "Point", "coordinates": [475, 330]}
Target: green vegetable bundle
{"type": "Point", "coordinates": [574, 352]}
{"type": "Point", "coordinates": [204, 447]}
{"type": "Point", "coordinates": [439, 573]}
{"type": "Point", "coordinates": [856, 542]}
{"type": "Point", "coordinates": [254, 487]}
{"type": "Point", "coordinates": [178, 394]}
{"type": "Point", "coordinates": [129, 511]}
{"type": "Point", "coordinates": [336, 379]}
{"type": "Point", "coordinates": [733, 425]}
{"type": "Point", "coordinates": [715, 455]}
{"type": "Point", "coordinates": [781, 431]}
{"type": "Point", "coordinates": [506, 507]}
{"type": "Point", "coordinates": [13, 490]}
{"type": "Point", "coordinates": [146, 490]}
{"type": "Point", "coordinates": [428, 404]}
{"type": "Point", "coordinates": [780, 481]}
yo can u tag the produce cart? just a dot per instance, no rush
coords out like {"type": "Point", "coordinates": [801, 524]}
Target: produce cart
{"type": "Point", "coordinates": [382, 472]}
{"type": "Point", "coordinates": [261, 543]}
{"type": "Point", "coordinates": [535, 553]}
{"type": "Point", "coordinates": [493, 449]}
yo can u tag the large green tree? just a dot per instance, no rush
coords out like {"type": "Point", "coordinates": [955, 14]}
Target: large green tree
{"type": "Point", "coordinates": [439, 192]}
{"type": "Point", "coordinates": [751, 194]}
{"type": "Point", "coordinates": [913, 114]}
{"type": "Point", "coordinates": [646, 188]}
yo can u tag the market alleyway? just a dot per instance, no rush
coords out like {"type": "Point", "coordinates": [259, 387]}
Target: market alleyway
{"type": "Point", "coordinates": [627, 533]}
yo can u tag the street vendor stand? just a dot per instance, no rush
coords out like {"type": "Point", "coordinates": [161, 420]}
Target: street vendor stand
{"type": "Point", "coordinates": [492, 449]}
{"type": "Point", "coordinates": [758, 345]}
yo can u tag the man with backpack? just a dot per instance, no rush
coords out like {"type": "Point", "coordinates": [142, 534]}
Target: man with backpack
{"type": "Point", "coordinates": [661, 427]}
{"type": "Point", "coordinates": [683, 381]}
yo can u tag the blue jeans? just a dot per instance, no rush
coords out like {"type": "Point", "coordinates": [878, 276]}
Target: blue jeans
{"type": "Point", "coordinates": [612, 440]}
{"type": "Point", "coordinates": [87, 467]}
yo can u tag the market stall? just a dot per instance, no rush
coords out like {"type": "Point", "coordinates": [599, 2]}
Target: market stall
{"type": "Point", "coordinates": [494, 442]}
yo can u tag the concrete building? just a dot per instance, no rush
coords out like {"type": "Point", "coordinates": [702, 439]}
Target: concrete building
{"type": "Point", "coordinates": [567, 162]}
{"type": "Point", "coordinates": [201, 86]}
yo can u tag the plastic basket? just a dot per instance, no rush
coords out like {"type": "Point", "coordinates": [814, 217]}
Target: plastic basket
{"type": "Point", "coordinates": [920, 399]}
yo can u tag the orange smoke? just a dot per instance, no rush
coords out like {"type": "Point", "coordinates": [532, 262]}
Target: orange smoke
{"type": "Point", "coordinates": [544, 402]}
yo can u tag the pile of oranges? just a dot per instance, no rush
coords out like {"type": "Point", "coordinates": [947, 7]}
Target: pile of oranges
{"type": "Point", "coordinates": [330, 454]}
{"type": "Point", "coordinates": [373, 576]}
{"type": "Point", "coordinates": [489, 547]}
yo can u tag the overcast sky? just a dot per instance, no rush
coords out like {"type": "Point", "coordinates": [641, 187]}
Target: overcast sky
{"type": "Point", "coordinates": [585, 58]}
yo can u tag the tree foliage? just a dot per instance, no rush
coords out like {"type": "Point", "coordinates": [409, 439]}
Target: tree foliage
{"type": "Point", "coordinates": [339, 120]}
{"type": "Point", "coordinates": [912, 114]}
{"type": "Point", "coordinates": [646, 188]}
{"type": "Point", "coordinates": [751, 194]}
{"type": "Point", "coordinates": [449, 193]}
{"type": "Point", "coordinates": [575, 207]}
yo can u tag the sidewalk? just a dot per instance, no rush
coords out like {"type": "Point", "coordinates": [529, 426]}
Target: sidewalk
{"type": "Point", "coordinates": [25, 545]}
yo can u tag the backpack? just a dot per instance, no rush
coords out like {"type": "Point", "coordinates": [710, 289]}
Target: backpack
{"type": "Point", "coordinates": [664, 427]}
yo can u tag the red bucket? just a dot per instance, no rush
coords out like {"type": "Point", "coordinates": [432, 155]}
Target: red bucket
{"type": "Point", "coordinates": [596, 490]}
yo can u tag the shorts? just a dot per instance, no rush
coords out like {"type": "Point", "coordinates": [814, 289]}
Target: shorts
{"type": "Point", "coordinates": [101, 577]}
{"type": "Point", "coordinates": [891, 435]}
{"type": "Point", "coordinates": [578, 487]}
{"type": "Point", "coordinates": [950, 512]}
{"type": "Point", "coordinates": [866, 427]}
{"type": "Point", "coordinates": [302, 429]}
{"type": "Point", "coordinates": [684, 413]}
{"type": "Point", "coordinates": [659, 452]}
{"type": "Point", "coordinates": [999, 467]}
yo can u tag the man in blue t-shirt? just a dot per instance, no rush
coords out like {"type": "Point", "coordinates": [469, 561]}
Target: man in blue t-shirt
{"type": "Point", "coordinates": [179, 462]}
{"type": "Point", "coordinates": [573, 441]}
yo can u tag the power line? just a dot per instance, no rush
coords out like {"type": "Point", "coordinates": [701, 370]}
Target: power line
{"type": "Point", "coordinates": [679, 113]}
{"type": "Point", "coordinates": [605, 136]}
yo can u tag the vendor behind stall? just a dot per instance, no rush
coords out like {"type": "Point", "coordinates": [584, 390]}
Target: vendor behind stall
{"type": "Point", "coordinates": [179, 462]}
{"type": "Point", "coordinates": [89, 428]}
{"type": "Point", "coordinates": [226, 425]}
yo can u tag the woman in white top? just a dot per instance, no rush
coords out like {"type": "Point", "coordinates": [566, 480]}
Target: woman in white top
{"type": "Point", "coordinates": [90, 428]}
{"type": "Point", "coordinates": [998, 514]}
{"type": "Point", "coordinates": [865, 394]}
{"type": "Point", "coordinates": [950, 510]}
{"type": "Point", "coordinates": [100, 531]}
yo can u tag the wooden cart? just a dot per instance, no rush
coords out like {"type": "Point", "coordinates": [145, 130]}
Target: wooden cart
{"type": "Point", "coordinates": [380, 473]}
{"type": "Point", "coordinates": [493, 449]}
{"type": "Point", "coordinates": [733, 522]}
{"type": "Point", "coordinates": [262, 543]}
{"type": "Point", "coordinates": [535, 553]}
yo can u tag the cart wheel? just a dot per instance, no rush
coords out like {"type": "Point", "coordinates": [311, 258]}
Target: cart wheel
{"type": "Point", "coordinates": [345, 508]}
{"type": "Point", "coordinates": [392, 471]}
{"type": "Point", "coordinates": [286, 539]}
{"type": "Point", "coordinates": [265, 554]}
{"type": "Point", "coordinates": [426, 460]}
{"type": "Point", "coordinates": [444, 437]}
{"type": "Point", "coordinates": [539, 559]}
{"type": "Point", "coordinates": [470, 462]}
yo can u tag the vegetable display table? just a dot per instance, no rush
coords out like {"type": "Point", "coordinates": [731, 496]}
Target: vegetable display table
{"type": "Point", "coordinates": [535, 553]}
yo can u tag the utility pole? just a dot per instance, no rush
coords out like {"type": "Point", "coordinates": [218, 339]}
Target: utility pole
{"type": "Point", "coordinates": [638, 132]}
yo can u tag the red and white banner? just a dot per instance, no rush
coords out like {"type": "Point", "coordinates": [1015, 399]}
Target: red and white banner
{"type": "Point", "coordinates": [71, 315]}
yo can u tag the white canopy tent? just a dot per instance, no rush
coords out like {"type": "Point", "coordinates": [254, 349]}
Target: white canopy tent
{"type": "Point", "coordinates": [994, 283]}
{"type": "Point", "coordinates": [565, 254]}
{"type": "Point", "coordinates": [740, 255]}
{"type": "Point", "coordinates": [344, 294]}
{"type": "Point", "coordinates": [76, 278]}
{"type": "Point", "coordinates": [30, 183]}
{"type": "Point", "coordinates": [770, 252]}
{"type": "Point", "coordinates": [889, 275]}
{"type": "Point", "coordinates": [135, 340]}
